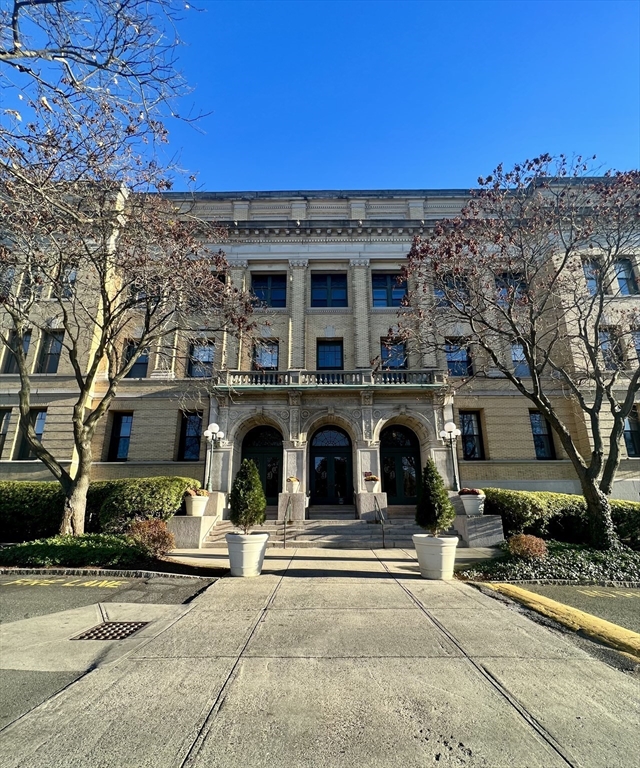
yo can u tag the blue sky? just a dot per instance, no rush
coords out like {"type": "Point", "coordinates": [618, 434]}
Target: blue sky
{"type": "Point", "coordinates": [360, 94]}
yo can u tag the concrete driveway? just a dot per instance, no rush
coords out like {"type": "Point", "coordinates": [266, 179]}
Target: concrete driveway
{"type": "Point", "coordinates": [337, 658]}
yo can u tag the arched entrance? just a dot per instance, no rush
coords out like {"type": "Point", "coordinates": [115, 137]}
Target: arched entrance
{"type": "Point", "coordinates": [331, 467]}
{"type": "Point", "coordinates": [400, 458]}
{"type": "Point", "coordinates": [264, 446]}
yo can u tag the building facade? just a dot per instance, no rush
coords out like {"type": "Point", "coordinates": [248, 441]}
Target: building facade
{"type": "Point", "coordinates": [326, 393]}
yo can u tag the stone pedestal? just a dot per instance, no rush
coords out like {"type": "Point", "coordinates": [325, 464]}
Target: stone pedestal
{"type": "Point", "coordinates": [216, 505]}
{"type": "Point", "coordinates": [480, 530]}
{"type": "Point", "coordinates": [298, 505]}
{"type": "Point", "coordinates": [190, 532]}
{"type": "Point", "coordinates": [366, 505]}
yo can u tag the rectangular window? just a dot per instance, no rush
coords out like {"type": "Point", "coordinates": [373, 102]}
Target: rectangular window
{"type": "Point", "coordinates": [7, 275]}
{"type": "Point", "coordinates": [37, 417]}
{"type": "Point", "coordinates": [542, 437]}
{"type": "Point", "coordinates": [328, 290]}
{"type": "Point", "coordinates": [265, 355]}
{"type": "Point", "coordinates": [5, 417]}
{"type": "Point", "coordinates": [388, 290]}
{"type": "Point", "coordinates": [200, 364]}
{"type": "Point", "coordinates": [50, 351]}
{"type": "Point", "coordinates": [458, 357]}
{"type": "Point", "coordinates": [120, 436]}
{"type": "Point", "coordinates": [330, 355]}
{"type": "Point", "coordinates": [393, 354]}
{"type": "Point", "coordinates": [32, 283]}
{"type": "Point", "coordinates": [611, 349]}
{"type": "Point", "coordinates": [627, 284]}
{"type": "Point", "coordinates": [519, 361]}
{"type": "Point", "coordinates": [632, 433]}
{"type": "Point", "coordinates": [451, 291]}
{"type": "Point", "coordinates": [68, 277]}
{"type": "Point", "coordinates": [10, 361]}
{"type": "Point", "coordinates": [270, 290]}
{"type": "Point", "coordinates": [190, 436]}
{"type": "Point", "coordinates": [591, 270]}
{"type": "Point", "coordinates": [512, 289]}
{"type": "Point", "coordinates": [141, 365]}
{"type": "Point", "coordinates": [471, 437]}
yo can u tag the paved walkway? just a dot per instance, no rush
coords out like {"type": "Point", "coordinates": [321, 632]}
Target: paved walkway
{"type": "Point", "coordinates": [334, 658]}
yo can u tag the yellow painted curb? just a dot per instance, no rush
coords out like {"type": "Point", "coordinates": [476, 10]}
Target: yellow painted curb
{"type": "Point", "coordinates": [611, 634]}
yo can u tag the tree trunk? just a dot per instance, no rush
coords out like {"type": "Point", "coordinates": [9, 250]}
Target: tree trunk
{"type": "Point", "coordinates": [602, 534]}
{"type": "Point", "coordinates": [75, 505]}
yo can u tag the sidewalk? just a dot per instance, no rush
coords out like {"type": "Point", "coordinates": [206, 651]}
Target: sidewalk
{"type": "Point", "coordinates": [338, 658]}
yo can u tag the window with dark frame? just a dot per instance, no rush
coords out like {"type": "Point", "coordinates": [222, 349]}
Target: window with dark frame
{"type": "Point", "coordinates": [330, 355]}
{"type": "Point", "coordinates": [388, 290]}
{"type": "Point", "coordinates": [270, 290]}
{"type": "Point", "coordinates": [627, 283]}
{"type": "Point", "coordinates": [37, 417]}
{"type": "Point", "coordinates": [5, 418]}
{"type": "Point", "coordinates": [328, 290]}
{"type": "Point", "coordinates": [7, 276]}
{"type": "Point", "coordinates": [190, 436]}
{"type": "Point", "coordinates": [10, 364]}
{"type": "Point", "coordinates": [265, 355]}
{"type": "Point", "coordinates": [511, 288]}
{"type": "Point", "coordinates": [68, 277]}
{"type": "Point", "coordinates": [542, 436]}
{"type": "Point", "coordinates": [519, 361]}
{"type": "Point", "coordinates": [121, 426]}
{"type": "Point", "coordinates": [458, 357]}
{"type": "Point", "coordinates": [50, 351]}
{"type": "Point", "coordinates": [471, 437]}
{"type": "Point", "coordinates": [393, 354]}
{"type": "Point", "coordinates": [32, 283]}
{"type": "Point", "coordinates": [632, 433]}
{"type": "Point", "coordinates": [591, 269]}
{"type": "Point", "coordinates": [200, 363]}
{"type": "Point", "coordinates": [611, 349]}
{"type": "Point", "coordinates": [141, 366]}
{"type": "Point", "coordinates": [451, 291]}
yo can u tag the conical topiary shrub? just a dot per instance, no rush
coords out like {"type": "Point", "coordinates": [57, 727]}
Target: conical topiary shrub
{"type": "Point", "coordinates": [434, 510]}
{"type": "Point", "coordinates": [247, 501]}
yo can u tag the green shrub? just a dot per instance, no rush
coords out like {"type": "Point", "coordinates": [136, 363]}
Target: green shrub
{"type": "Point", "coordinates": [626, 521]}
{"type": "Point", "coordinates": [434, 510]}
{"type": "Point", "coordinates": [529, 547]}
{"type": "Point", "coordinates": [247, 501]}
{"type": "Point", "coordinates": [96, 550]}
{"type": "Point", "coordinates": [30, 510]}
{"type": "Point", "coordinates": [152, 535]}
{"type": "Point", "coordinates": [521, 511]}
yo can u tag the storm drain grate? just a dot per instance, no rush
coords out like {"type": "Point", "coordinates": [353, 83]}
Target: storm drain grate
{"type": "Point", "coordinates": [112, 630]}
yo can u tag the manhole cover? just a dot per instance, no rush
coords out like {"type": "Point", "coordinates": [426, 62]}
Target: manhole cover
{"type": "Point", "coordinates": [112, 630]}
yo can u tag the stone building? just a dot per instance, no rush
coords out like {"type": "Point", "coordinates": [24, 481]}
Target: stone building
{"type": "Point", "coordinates": [327, 393]}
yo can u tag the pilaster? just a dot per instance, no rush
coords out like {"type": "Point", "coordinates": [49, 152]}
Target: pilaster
{"type": "Point", "coordinates": [298, 279]}
{"type": "Point", "coordinates": [360, 285]}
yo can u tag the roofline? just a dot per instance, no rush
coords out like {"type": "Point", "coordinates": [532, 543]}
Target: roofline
{"type": "Point", "coordinates": [321, 194]}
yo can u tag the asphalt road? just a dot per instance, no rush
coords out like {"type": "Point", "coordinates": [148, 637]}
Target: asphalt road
{"type": "Point", "coordinates": [619, 605]}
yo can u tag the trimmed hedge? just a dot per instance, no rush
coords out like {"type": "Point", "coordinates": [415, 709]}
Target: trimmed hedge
{"type": "Point", "coordinates": [97, 550]}
{"type": "Point", "coordinates": [559, 516]}
{"type": "Point", "coordinates": [31, 510]}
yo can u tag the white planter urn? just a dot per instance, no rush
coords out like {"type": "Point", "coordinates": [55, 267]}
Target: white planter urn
{"type": "Point", "coordinates": [473, 505]}
{"type": "Point", "coordinates": [196, 505]}
{"type": "Point", "coordinates": [371, 485]}
{"type": "Point", "coordinates": [246, 553]}
{"type": "Point", "coordinates": [293, 486]}
{"type": "Point", "coordinates": [436, 555]}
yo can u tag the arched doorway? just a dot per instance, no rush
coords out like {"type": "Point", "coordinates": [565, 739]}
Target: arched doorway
{"type": "Point", "coordinates": [400, 458]}
{"type": "Point", "coordinates": [331, 467]}
{"type": "Point", "coordinates": [264, 446]}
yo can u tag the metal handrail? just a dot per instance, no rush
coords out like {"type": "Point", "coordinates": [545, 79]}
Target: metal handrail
{"type": "Point", "coordinates": [285, 522]}
{"type": "Point", "coordinates": [379, 516]}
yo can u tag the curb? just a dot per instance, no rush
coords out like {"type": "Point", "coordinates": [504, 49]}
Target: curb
{"type": "Point", "coordinates": [611, 634]}
{"type": "Point", "coordinates": [95, 572]}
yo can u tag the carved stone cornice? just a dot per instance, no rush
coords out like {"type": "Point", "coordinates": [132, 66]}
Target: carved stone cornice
{"type": "Point", "coordinates": [298, 262]}
{"type": "Point", "coordinates": [358, 262]}
{"type": "Point", "coordinates": [238, 263]}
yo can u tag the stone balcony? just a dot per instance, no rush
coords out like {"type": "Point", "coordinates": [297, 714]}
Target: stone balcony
{"type": "Point", "coordinates": [416, 378]}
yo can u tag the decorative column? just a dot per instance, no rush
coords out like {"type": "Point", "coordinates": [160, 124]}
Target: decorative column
{"type": "Point", "coordinates": [220, 457]}
{"type": "Point", "coordinates": [293, 465]}
{"type": "Point", "coordinates": [232, 346]}
{"type": "Point", "coordinates": [360, 290]}
{"type": "Point", "coordinates": [298, 278]}
{"type": "Point", "coordinates": [369, 461]}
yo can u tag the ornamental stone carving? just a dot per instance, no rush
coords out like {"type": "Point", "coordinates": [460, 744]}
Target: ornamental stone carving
{"type": "Point", "coordinates": [298, 262]}
{"type": "Point", "coordinates": [358, 262]}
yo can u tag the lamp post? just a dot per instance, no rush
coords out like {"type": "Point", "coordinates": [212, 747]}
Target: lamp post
{"type": "Point", "coordinates": [450, 433]}
{"type": "Point", "coordinates": [213, 437]}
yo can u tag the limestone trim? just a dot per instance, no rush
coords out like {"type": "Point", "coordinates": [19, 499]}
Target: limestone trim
{"type": "Point", "coordinates": [298, 263]}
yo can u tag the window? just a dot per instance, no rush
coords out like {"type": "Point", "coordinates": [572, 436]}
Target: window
{"type": "Point", "coordinates": [451, 291]}
{"type": "Point", "coordinates": [330, 355]}
{"type": "Point", "coordinates": [50, 351]}
{"type": "Point", "coordinates": [141, 365]}
{"type": "Point", "coordinates": [636, 343]}
{"type": "Point", "coordinates": [627, 283]}
{"type": "Point", "coordinates": [512, 289]}
{"type": "Point", "coordinates": [388, 290]}
{"type": "Point", "coordinates": [393, 354]}
{"type": "Point", "coordinates": [68, 277]}
{"type": "Point", "coordinates": [471, 438]}
{"type": "Point", "coordinates": [271, 290]}
{"type": "Point", "coordinates": [200, 364]}
{"type": "Point", "coordinates": [632, 432]}
{"type": "Point", "coordinates": [458, 357]}
{"type": "Point", "coordinates": [10, 360]}
{"type": "Point", "coordinates": [7, 275]}
{"type": "Point", "coordinates": [37, 418]}
{"type": "Point", "coordinates": [190, 436]}
{"type": "Point", "coordinates": [328, 290]}
{"type": "Point", "coordinates": [32, 283]}
{"type": "Point", "coordinates": [265, 355]}
{"type": "Point", "coordinates": [542, 437]}
{"type": "Point", "coordinates": [591, 270]}
{"type": "Point", "coordinates": [611, 349]}
{"type": "Point", "coordinates": [5, 417]}
{"type": "Point", "coordinates": [120, 436]}
{"type": "Point", "coordinates": [520, 364]}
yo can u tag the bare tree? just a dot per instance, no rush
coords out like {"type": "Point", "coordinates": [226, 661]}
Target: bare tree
{"type": "Point", "coordinates": [537, 278]}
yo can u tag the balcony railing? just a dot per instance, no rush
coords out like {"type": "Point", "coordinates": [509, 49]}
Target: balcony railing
{"type": "Point", "coordinates": [362, 378]}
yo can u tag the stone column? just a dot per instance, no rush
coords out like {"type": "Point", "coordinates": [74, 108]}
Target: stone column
{"type": "Point", "coordinates": [360, 291]}
{"type": "Point", "coordinates": [232, 346]}
{"type": "Point", "coordinates": [297, 302]}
